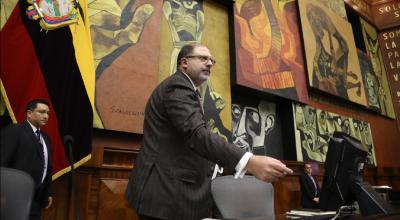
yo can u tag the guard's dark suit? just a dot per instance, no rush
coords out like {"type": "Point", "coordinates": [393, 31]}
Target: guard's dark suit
{"type": "Point", "coordinates": [171, 175]}
{"type": "Point", "coordinates": [21, 150]}
{"type": "Point", "coordinates": [308, 191]}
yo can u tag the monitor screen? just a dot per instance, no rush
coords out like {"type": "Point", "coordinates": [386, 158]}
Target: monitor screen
{"type": "Point", "coordinates": [343, 183]}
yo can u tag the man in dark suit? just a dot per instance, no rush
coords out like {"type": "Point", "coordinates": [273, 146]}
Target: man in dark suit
{"type": "Point", "coordinates": [24, 146]}
{"type": "Point", "coordinates": [171, 178]}
{"type": "Point", "coordinates": [309, 188]}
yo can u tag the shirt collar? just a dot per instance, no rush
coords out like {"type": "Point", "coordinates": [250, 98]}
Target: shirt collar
{"type": "Point", "coordinates": [33, 126]}
{"type": "Point", "coordinates": [191, 81]}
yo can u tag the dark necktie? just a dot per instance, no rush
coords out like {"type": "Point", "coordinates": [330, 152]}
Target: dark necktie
{"type": "Point", "coordinates": [38, 137]}
{"type": "Point", "coordinates": [199, 96]}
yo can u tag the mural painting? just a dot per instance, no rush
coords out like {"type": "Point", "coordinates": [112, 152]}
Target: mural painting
{"type": "Point", "coordinates": [315, 127]}
{"type": "Point", "coordinates": [123, 33]}
{"type": "Point", "coordinates": [269, 56]}
{"type": "Point", "coordinates": [332, 61]}
{"type": "Point", "coordinates": [373, 50]}
{"type": "Point", "coordinates": [370, 80]}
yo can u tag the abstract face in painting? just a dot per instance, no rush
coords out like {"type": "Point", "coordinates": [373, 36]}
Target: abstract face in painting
{"type": "Point", "coordinates": [252, 124]}
{"type": "Point", "coordinates": [346, 126]}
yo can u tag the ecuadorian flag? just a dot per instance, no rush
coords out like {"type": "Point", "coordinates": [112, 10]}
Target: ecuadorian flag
{"type": "Point", "coordinates": [55, 65]}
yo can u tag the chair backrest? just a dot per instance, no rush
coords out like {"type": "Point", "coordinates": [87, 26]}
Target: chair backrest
{"type": "Point", "coordinates": [243, 198]}
{"type": "Point", "coordinates": [16, 194]}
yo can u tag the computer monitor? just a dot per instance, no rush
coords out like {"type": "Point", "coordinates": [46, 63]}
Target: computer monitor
{"type": "Point", "coordinates": [343, 183]}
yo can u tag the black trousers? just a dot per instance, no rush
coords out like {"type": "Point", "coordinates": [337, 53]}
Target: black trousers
{"type": "Point", "coordinates": [36, 211]}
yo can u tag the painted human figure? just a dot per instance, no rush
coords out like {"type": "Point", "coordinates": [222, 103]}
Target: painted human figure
{"type": "Point", "coordinates": [314, 146]}
{"type": "Point", "coordinates": [373, 49]}
{"type": "Point", "coordinates": [186, 22]}
{"type": "Point", "coordinates": [330, 65]}
{"type": "Point", "coordinates": [251, 125]}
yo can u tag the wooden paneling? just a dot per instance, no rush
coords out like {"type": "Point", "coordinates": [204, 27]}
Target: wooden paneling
{"type": "Point", "coordinates": [117, 158]}
{"type": "Point", "coordinates": [383, 14]}
{"type": "Point", "coordinates": [386, 14]}
{"type": "Point", "coordinates": [362, 7]}
{"type": "Point", "coordinates": [389, 42]}
{"type": "Point", "coordinates": [101, 182]}
{"type": "Point", "coordinates": [287, 194]}
{"type": "Point", "coordinates": [112, 204]}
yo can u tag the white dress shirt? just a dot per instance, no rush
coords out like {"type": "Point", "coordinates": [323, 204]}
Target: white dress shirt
{"type": "Point", "coordinates": [45, 153]}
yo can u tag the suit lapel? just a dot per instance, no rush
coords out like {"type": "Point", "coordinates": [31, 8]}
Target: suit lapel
{"type": "Point", "coordinates": [32, 139]}
{"type": "Point", "coordinates": [189, 84]}
{"type": "Point", "coordinates": [314, 187]}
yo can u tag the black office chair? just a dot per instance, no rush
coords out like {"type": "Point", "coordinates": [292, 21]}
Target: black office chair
{"type": "Point", "coordinates": [243, 198]}
{"type": "Point", "coordinates": [16, 194]}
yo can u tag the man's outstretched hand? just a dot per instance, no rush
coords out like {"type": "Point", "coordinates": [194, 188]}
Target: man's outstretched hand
{"type": "Point", "coordinates": [266, 168]}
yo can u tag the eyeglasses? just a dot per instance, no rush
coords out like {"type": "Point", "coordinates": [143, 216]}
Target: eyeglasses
{"type": "Point", "coordinates": [204, 59]}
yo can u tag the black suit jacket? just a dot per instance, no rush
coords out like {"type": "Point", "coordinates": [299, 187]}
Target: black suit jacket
{"type": "Point", "coordinates": [171, 175]}
{"type": "Point", "coordinates": [21, 150]}
{"type": "Point", "coordinates": [308, 191]}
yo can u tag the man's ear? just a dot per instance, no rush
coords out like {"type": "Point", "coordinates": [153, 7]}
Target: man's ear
{"type": "Point", "coordinates": [28, 113]}
{"type": "Point", "coordinates": [184, 63]}
{"type": "Point", "coordinates": [270, 121]}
